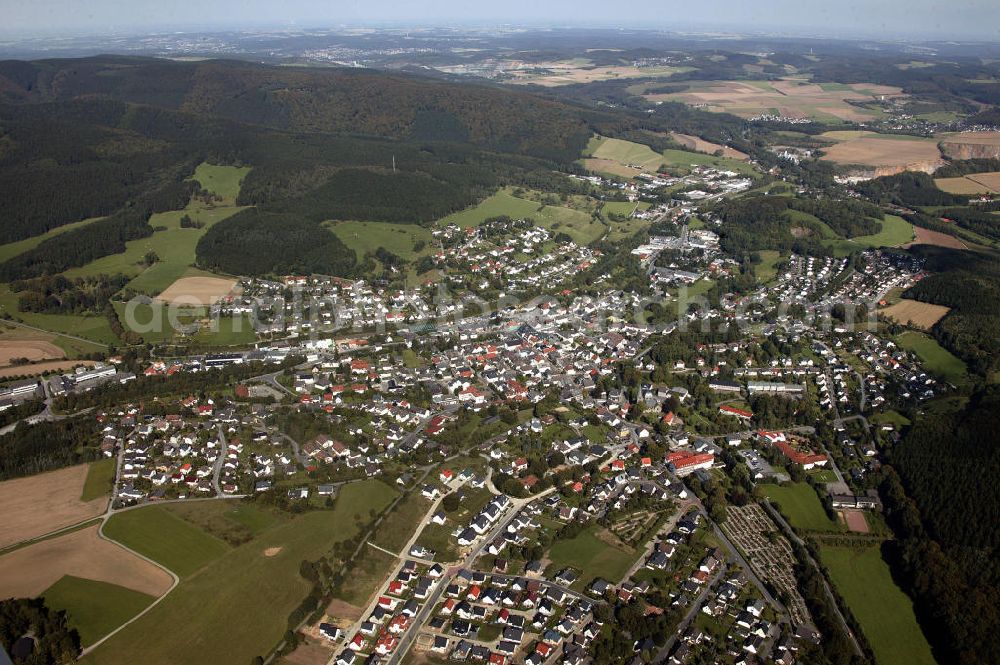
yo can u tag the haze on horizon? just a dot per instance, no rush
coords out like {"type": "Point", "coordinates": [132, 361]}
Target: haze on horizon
{"type": "Point", "coordinates": [976, 20]}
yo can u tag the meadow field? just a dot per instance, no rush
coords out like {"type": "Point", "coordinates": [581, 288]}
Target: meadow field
{"type": "Point", "coordinates": [935, 358]}
{"type": "Point", "coordinates": [592, 555]}
{"type": "Point", "coordinates": [886, 151]}
{"type": "Point", "coordinates": [400, 239]}
{"type": "Point", "coordinates": [219, 608]}
{"type": "Point", "coordinates": [94, 608]}
{"type": "Point", "coordinates": [974, 183]}
{"type": "Point", "coordinates": [224, 181]}
{"type": "Point", "coordinates": [801, 507]}
{"type": "Point", "coordinates": [501, 203]}
{"type": "Point", "coordinates": [885, 613]}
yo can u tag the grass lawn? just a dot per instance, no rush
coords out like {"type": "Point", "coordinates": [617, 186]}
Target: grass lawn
{"type": "Point", "coordinates": [890, 418]}
{"type": "Point", "coordinates": [624, 152]}
{"type": "Point", "coordinates": [18, 247]}
{"type": "Point", "coordinates": [593, 556]}
{"type": "Point", "coordinates": [100, 476]}
{"type": "Point", "coordinates": [501, 203]}
{"type": "Point", "coordinates": [232, 331]}
{"type": "Point", "coordinates": [237, 607]}
{"type": "Point", "coordinates": [164, 537]}
{"type": "Point", "coordinates": [883, 610]}
{"type": "Point", "coordinates": [232, 521]}
{"type": "Point", "coordinates": [935, 358]}
{"type": "Point", "coordinates": [222, 180]}
{"type": "Point", "coordinates": [801, 507]}
{"type": "Point", "coordinates": [364, 237]}
{"type": "Point", "coordinates": [94, 608]}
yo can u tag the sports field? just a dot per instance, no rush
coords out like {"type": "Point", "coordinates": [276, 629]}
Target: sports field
{"type": "Point", "coordinates": [94, 608]}
{"type": "Point", "coordinates": [935, 358]}
{"type": "Point", "coordinates": [801, 507]}
{"type": "Point", "coordinates": [596, 553]}
{"type": "Point", "coordinates": [885, 613]}
{"type": "Point", "coordinates": [501, 203]}
{"type": "Point", "coordinates": [45, 502]}
{"type": "Point", "coordinates": [237, 606]}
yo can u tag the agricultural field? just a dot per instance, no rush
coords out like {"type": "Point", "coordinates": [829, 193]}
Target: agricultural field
{"type": "Point", "coordinates": [70, 348]}
{"type": "Point", "coordinates": [789, 98]}
{"type": "Point", "coordinates": [885, 613]}
{"type": "Point", "coordinates": [94, 608]}
{"type": "Point", "coordinates": [701, 145]}
{"type": "Point", "coordinates": [579, 70]}
{"type": "Point", "coordinates": [628, 159]}
{"type": "Point", "coordinates": [975, 183]}
{"type": "Point", "coordinates": [501, 203]}
{"type": "Point", "coordinates": [596, 553]}
{"type": "Point", "coordinates": [199, 291]}
{"type": "Point", "coordinates": [935, 358]}
{"type": "Point", "coordinates": [634, 156]}
{"type": "Point", "coordinates": [913, 312]}
{"type": "Point", "coordinates": [217, 609]}
{"type": "Point", "coordinates": [801, 507]}
{"type": "Point", "coordinates": [39, 504]}
{"type": "Point", "coordinates": [883, 152]}
{"type": "Point", "coordinates": [400, 239]}
{"type": "Point", "coordinates": [924, 236]}
{"type": "Point", "coordinates": [578, 225]}
{"type": "Point", "coordinates": [624, 208]}
{"type": "Point", "coordinates": [27, 572]}
{"type": "Point", "coordinates": [164, 537]}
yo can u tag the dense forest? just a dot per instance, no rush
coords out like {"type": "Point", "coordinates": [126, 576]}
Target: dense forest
{"type": "Point", "coordinates": [55, 641]}
{"type": "Point", "coordinates": [259, 243]}
{"type": "Point", "coordinates": [48, 445]}
{"type": "Point", "coordinates": [943, 505]}
{"type": "Point", "coordinates": [968, 282]}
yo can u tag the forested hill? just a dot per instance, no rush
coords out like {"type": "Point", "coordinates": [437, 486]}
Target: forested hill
{"type": "Point", "coordinates": [329, 100]}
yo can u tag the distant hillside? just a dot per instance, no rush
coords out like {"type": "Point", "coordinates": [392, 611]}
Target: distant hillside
{"type": "Point", "coordinates": [332, 100]}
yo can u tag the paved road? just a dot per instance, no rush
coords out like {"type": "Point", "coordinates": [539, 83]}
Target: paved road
{"type": "Point", "coordinates": [661, 656]}
{"type": "Point", "coordinates": [219, 461]}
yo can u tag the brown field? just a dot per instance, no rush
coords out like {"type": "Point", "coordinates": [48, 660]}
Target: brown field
{"type": "Point", "coordinates": [928, 237]}
{"type": "Point", "coordinates": [920, 314]}
{"type": "Point", "coordinates": [315, 650]}
{"type": "Point", "coordinates": [791, 98]}
{"type": "Point", "coordinates": [344, 611]}
{"type": "Point", "coordinates": [701, 145]}
{"type": "Point", "coordinates": [37, 505]}
{"type": "Point", "coordinates": [29, 571]}
{"type": "Point", "coordinates": [42, 368]}
{"type": "Point", "coordinates": [970, 145]}
{"type": "Point", "coordinates": [197, 290]}
{"type": "Point", "coordinates": [855, 521]}
{"type": "Point", "coordinates": [26, 348]}
{"type": "Point", "coordinates": [976, 183]}
{"type": "Point", "coordinates": [610, 166]}
{"type": "Point", "coordinates": [885, 153]}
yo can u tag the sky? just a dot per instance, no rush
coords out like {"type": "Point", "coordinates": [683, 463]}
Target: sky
{"type": "Point", "coordinates": [954, 19]}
